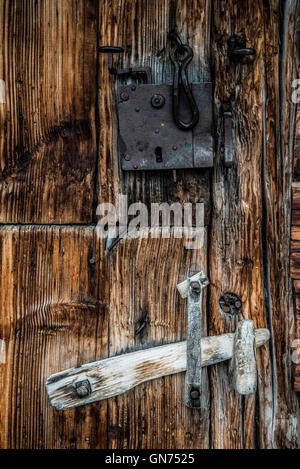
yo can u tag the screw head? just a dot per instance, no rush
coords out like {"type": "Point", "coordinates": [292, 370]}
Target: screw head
{"type": "Point", "coordinates": [174, 148]}
{"type": "Point", "coordinates": [135, 166]}
{"type": "Point", "coordinates": [195, 394]}
{"type": "Point", "coordinates": [124, 96]}
{"type": "Point", "coordinates": [137, 109]}
{"type": "Point", "coordinates": [158, 101]}
{"type": "Point", "coordinates": [83, 388]}
{"type": "Point", "coordinates": [238, 304]}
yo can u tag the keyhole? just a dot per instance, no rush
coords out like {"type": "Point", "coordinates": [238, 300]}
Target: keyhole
{"type": "Point", "coordinates": [158, 153]}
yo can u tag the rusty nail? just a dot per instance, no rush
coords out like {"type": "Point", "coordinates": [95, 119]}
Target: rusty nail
{"type": "Point", "coordinates": [195, 286]}
{"type": "Point", "coordinates": [124, 96]}
{"type": "Point", "coordinates": [195, 394]}
{"type": "Point", "coordinates": [83, 388]}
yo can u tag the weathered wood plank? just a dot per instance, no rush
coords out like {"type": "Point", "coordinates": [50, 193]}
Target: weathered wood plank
{"type": "Point", "coordinates": [119, 374]}
{"type": "Point", "coordinates": [296, 158]}
{"type": "Point", "coordinates": [235, 253]}
{"type": "Point", "coordinates": [146, 310]}
{"type": "Point", "coordinates": [142, 28]}
{"type": "Point", "coordinates": [48, 131]}
{"type": "Point", "coordinates": [53, 315]}
{"type": "Point", "coordinates": [295, 264]}
{"type": "Point", "coordinates": [296, 344]}
{"type": "Point", "coordinates": [250, 219]}
{"type": "Point", "coordinates": [296, 193]}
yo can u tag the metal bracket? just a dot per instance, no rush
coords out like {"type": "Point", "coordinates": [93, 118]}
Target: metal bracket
{"type": "Point", "coordinates": [161, 127]}
{"type": "Point", "coordinates": [238, 52]}
{"type": "Point", "coordinates": [193, 288]}
{"type": "Point", "coordinates": [149, 139]}
{"type": "Point", "coordinates": [228, 146]}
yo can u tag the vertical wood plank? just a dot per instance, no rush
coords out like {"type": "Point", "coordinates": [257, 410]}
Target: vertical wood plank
{"type": "Point", "coordinates": [145, 311]}
{"type": "Point", "coordinates": [248, 252]}
{"type": "Point", "coordinates": [141, 27]}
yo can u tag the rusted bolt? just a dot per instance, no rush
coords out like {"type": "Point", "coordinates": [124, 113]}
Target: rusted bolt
{"type": "Point", "coordinates": [124, 96]}
{"type": "Point", "coordinates": [195, 394]}
{"type": "Point", "coordinates": [158, 101]}
{"type": "Point", "coordinates": [195, 286]}
{"type": "Point", "coordinates": [83, 388]}
{"type": "Point", "coordinates": [230, 303]}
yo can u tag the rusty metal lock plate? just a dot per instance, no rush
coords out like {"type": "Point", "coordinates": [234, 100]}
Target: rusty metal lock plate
{"type": "Point", "coordinates": [148, 136]}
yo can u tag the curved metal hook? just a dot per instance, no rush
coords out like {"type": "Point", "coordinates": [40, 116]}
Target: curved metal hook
{"type": "Point", "coordinates": [180, 77]}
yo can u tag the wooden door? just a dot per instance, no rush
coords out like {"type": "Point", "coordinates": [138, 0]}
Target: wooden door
{"type": "Point", "coordinates": [69, 297]}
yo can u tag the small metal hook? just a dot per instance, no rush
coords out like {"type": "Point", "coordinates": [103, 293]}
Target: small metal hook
{"type": "Point", "coordinates": [180, 78]}
{"type": "Point", "coordinates": [110, 50]}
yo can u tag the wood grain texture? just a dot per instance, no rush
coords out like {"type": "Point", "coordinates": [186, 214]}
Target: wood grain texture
{"type": "Point", "coordinates": [145, 311]}
{"type": "Point", "coordinates": [53, 314]}
{"type": "Point", "coordinates": [250, 220]}
{"type": "Point", "coordinates": [48, 128]}
{"type": "Point", "coordinates": [296, 344]}
{"type": "Point", "coordinates": [65, 300]}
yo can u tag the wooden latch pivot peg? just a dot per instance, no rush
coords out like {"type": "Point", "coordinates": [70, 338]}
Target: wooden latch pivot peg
{"type": "Point", "coordinates": [243, 363]}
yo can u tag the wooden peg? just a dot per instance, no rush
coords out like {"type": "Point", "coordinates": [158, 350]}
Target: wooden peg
{"type": "Point", "coordinates": [244, 373]}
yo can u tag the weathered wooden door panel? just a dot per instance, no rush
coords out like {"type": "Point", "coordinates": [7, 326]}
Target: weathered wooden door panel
{"type": "Point", "coordinates": [48, 131]}
{"type": "Point", "coordinates": [69, 297]}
